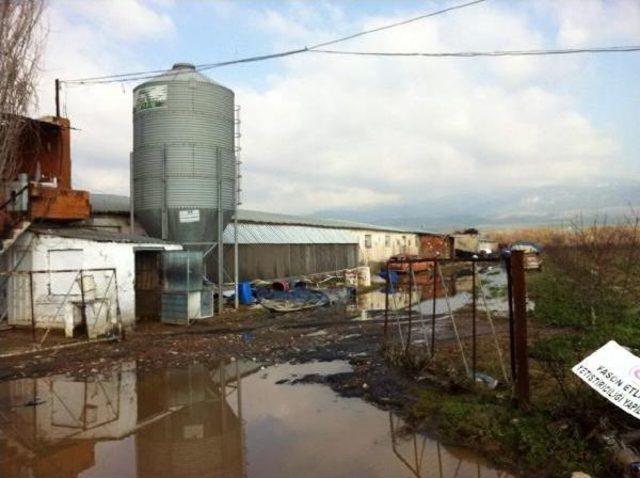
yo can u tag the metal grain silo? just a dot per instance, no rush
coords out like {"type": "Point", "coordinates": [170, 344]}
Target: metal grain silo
{"type": "Point", "coordinates": [183, 162]}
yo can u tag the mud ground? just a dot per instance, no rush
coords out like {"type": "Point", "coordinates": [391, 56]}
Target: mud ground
{"type": "Point", "coordinates": [325, 334]}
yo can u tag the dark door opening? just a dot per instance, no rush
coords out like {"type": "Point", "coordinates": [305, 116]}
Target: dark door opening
{"type": "Point", "coordinates": [148, 284]}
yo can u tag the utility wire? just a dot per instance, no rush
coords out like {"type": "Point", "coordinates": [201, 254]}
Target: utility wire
{"type": "Point", "coordinates": [498, 53]}
{"type": "Point", "coordinates": [393, 25]}
{"type": "Point", "coordinates": [143, 75]}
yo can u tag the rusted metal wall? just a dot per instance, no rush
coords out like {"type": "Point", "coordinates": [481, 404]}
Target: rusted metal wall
{"type": "Point", "coordinates": [270, 261]}
{"type": "Point", "coordinates": [434, 245]}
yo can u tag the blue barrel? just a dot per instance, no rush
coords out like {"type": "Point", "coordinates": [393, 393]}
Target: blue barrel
{"type": "Point", "coordinates": [245, 296]}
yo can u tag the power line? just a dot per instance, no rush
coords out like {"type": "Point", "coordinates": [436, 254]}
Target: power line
{"type": "Point", "coordinates": [143, 75]}
{"type": "Point", "coordinates": [498, 53]}
{"type": "Point", "coordinates": [393, 25]}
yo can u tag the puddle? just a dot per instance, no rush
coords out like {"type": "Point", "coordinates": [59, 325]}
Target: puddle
{"type": "Point", "coordinates": [228, 422]}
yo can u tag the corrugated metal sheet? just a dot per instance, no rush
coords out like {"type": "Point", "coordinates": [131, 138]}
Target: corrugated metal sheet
{"type": "Point", "coordinates": [97, 235]}
{"type": "Point", "coordinates": [245, 215]}
{"type": "Point", "coordinates": [251, 216]}
{"type": "Point", "coordinates": [287, 234]}
{"type": "Point", "coordinates": [109, 203]}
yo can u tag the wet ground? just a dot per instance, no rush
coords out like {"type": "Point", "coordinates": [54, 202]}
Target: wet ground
{"type": "Point", "coordinates": [232, 420]}
{"type": "Point", "coordinates": [326, 387]}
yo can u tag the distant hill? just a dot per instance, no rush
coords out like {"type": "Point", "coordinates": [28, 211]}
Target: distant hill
{"type": "Point", "coordinates": [505, 208]}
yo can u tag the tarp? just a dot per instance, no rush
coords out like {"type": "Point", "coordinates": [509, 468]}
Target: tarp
{"type": "Point", "coordinates": [290, 301]}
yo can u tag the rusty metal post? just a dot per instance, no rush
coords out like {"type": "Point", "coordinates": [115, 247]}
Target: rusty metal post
{"type": "Point", "coordinates": [474, 345]}
{"type": "Point", "coordinates": [33, 312]}
{"type": "Point", "coordinates": [433, 309]}
{"type": "Point", "coordinates": [83, 310]}
{"type": "Point", "coordinates": [410, 306]}
{"type": "Point", "coordinates": [512, 353]}
{"type": "Point", "coordinates": [386, 303]}
{"type": "Point", "coordinates": [520, 328]}
{"type": "Point", "coordinates": [57, 86]}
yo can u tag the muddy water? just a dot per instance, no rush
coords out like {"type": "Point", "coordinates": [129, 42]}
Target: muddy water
{"type": "Point", "coordinates": [229, 422]}
{"type": "Point", "coordinates": [452, 295]}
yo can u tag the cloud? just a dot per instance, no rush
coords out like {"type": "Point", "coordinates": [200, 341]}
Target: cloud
{"type": "Point", "coordinates": [396, 130]}
{"type": "Point", "coordinates": [586, 23]}
{"type": "Point", "coordinates": [327, 132]}
{"type": "Point", "coordinates": [89, 39]}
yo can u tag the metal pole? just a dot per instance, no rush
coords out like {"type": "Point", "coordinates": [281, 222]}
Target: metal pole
{"type": "Point", "coordinates": [512, 353]}
{"type": "Point", "coordinates": [131, 196]}
{"type": "Point", "coordinates": [520, 328]}
{"type": "Point", "coordinates": [83, 310]}
{"type": "Point", "coordinates": [236, 188]}
{"type": "Point", "coordinates": [33, 313]}
{"type": "Point", "coordinates": [235, 256]}
{"type": "Point", "coordinates": [410, 306]}
{"type": "Point", "coordinates": [220, 233]}
{"type": "Point", "coordinates": [433, 309]}
{"type": "Point", "coordinates": [386, 303]}
{"type": "Point", "coordinates": [57, 86]}
{"type": "Point", "coordinates": [474, 351]}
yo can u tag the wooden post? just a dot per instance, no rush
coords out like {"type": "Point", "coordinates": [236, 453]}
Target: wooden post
{"type": "Point", "coordinates": [512, 353]}
{"type": "Point", "coordinates": [520, 329]}
{"type": "Point", "coordinates": [474, 347]}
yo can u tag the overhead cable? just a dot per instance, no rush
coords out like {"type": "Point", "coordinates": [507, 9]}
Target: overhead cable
{"type": "Point", "coordinates": [498, 53]}
{"type": "Point", "coordinates": [143, 75]}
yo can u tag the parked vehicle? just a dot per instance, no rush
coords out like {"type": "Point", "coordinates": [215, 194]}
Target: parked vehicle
{"type": "Point", "coordinates": [532, 257]}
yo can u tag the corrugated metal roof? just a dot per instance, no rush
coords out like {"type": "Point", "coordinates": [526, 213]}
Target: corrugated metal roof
{"type": "Point", "coordinates": [97, 235]}
{"type": "Point", "coordinates": [287, 234]}
{"type": "Point", "coordinates": [247, 215]}
{"type": "Point", "coordinates": [111, 203]}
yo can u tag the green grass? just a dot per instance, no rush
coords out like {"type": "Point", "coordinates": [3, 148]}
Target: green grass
{"type": "Point", "coordinates": [533, 443]}
{"type": "Point", "coordinates": [560, 433]}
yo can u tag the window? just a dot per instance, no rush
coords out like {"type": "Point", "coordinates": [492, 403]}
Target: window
{"type": "Point", "coordinates": [367, 241]}
{"type": "Point", "coordinates": [417, 241]}
{"type": "Point", "coordinates": [387, 240]}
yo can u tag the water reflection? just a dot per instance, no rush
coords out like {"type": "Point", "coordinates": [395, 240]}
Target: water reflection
{"type": "Point", "coordinates": [422, 459]}
{"type": "Point", "coordinates": [225, 422]}
{"type": "Point", "coordinates": [457, 287]}
{"type": "Point", "coordinates": [173, 423]}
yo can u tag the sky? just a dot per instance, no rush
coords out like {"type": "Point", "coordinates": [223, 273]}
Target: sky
{"type": "Point", "coordinates": [329, 132]}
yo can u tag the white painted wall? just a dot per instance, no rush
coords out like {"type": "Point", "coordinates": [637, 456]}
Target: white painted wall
{"type": "Point", "coordinates": [384, 245]}
{"type": "Point", "coordinates": [48, 252]}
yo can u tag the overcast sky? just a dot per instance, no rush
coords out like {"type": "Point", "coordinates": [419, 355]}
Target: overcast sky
{"type": "Point", "coordinates": [323, 131]}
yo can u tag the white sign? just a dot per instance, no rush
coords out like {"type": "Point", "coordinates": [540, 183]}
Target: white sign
{"type": "Point", "coordinates": [189, 215]}
{"type": "Point", "coordinates": [152, 96]}
{"type": "Point", "coordinates": [614, 373]}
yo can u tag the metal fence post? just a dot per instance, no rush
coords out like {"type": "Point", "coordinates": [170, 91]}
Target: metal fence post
{"type": "Point", "coordinates": [410, 306]}
{"type": "Point", "coordinates": [386, 303]}
{"type": "Point", "coordinates": [433, 309]}
{"type": "Point", "coordinates": [83, 310]}
{"type": "Point", "coordinates": [33, 313]}
{"type": "Point", "coordinates": [520, 328]}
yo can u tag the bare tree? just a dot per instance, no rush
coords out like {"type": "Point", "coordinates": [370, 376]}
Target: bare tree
{"type": "Point", "coordinates": [21, 40]}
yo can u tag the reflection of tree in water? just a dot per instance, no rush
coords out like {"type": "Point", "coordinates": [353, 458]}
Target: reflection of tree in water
{"type": "Point", "coordinates": [447, 464]}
